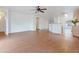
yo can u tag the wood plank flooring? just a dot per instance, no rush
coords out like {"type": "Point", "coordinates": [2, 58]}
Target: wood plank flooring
{"type": "Point", "coordinates": [39, 42]}
{"type": "Point", "coordinates": [2, 35]}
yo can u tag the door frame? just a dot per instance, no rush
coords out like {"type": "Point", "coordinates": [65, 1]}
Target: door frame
{"type": "Point", "coordinates": [6, 20]}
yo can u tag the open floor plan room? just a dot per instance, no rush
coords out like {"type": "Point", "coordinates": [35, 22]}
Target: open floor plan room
{"type": "Point", "coordinates": [39, 29]}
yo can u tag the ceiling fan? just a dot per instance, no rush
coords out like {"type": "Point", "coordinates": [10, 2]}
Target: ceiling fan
{"type": "Point", "coordinates": [38, 9]}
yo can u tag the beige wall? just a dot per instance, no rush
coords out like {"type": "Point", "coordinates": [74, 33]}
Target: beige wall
{"type": "Point", "coordinates": [2, 21]}
{"type": "Point", "coordinates": [76, 14]}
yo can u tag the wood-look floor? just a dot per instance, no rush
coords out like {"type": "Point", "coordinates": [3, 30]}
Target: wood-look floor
{"type": "Point", "coordinates": [2, 35]}
{"type": "Point", "coordinates": [39, 41]}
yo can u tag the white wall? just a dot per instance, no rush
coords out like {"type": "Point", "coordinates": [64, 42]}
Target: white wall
{"type": "Point", "coordinates": [21, 22]}
{"type": "Point", "coordinates": [43, 24]}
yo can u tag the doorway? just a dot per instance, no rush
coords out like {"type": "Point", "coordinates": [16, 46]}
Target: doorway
{"type": "Point", "coordinates": [37, 23]}
{"type": "Point", "coordinates": [2, 22]}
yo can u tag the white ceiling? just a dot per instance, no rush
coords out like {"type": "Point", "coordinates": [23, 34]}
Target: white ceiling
{"type": "Point", "coordinates": [51, 10]}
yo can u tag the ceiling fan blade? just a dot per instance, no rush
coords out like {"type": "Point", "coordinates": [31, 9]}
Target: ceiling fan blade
{"type": "Point", "coordinates": [44, 9]}
{"type": "Point", "coordinates": [41, 11]}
